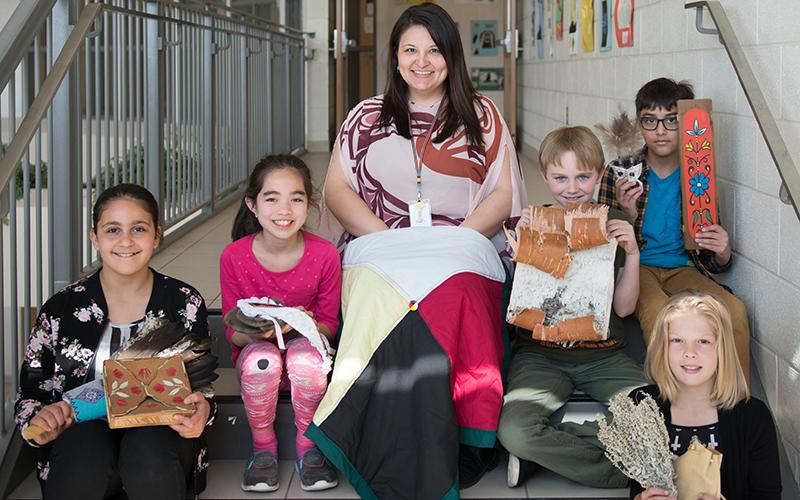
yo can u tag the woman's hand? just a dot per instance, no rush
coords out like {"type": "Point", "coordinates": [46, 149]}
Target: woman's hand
{"type": "Point", "coordinates": [54, 419]}
{"type": "Point", "coordinates": [654, 494]}
{"type": "Point", "coordinates": [192, 427]}
{"type": "Point", "coordinates": [628, 194]}
{"type": "Point", "coordinates": [707, 496]}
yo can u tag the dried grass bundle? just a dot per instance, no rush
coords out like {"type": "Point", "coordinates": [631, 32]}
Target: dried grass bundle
{"type": "Point", "coordinates": [621, 136]}
{"type": "Point", "coordinates": [637, 442]}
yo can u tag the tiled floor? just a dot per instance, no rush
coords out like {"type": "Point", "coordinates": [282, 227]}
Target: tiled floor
{"type": "Point", "coordinates": [194, 258]}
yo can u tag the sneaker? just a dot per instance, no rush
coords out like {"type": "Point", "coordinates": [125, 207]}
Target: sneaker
{"type": "Point", "coordinates": [261, 473]}
{"type": "Point", "coordinates": [519, 470]}
{"type": "Point", "coordinates": [473, 463]}
{"type": "Point", "coordinates": [315, 472]}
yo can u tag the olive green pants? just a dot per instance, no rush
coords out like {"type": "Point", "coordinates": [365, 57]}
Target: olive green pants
{"type": "Point", "coordinates": [537, 388]}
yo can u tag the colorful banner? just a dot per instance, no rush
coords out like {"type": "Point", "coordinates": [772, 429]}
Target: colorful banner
{"type": "Point", "coordinates": [587, 25]}
{"type": "Point", "coordinates": [623, 22]}
{"type": "Point", "coordinates": [606, 21]}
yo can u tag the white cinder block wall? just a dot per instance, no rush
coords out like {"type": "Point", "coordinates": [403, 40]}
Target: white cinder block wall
{"type": "Point", "coordinates": [318, 105]}
{"type": "Point", "coordinates": [766, 233]}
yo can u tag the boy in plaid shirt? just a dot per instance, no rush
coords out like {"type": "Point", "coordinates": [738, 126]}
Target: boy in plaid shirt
{"type": "Point", "coordinates": [666, 266]}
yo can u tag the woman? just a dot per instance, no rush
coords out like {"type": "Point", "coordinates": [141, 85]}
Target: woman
{"type": "Point", "coordinates": [429, 152]}
{"type": "Point", "coordinates": [84, 324]}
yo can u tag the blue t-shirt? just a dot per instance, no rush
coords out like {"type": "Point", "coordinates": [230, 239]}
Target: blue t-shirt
{"type": "Point", "coordinates": [661, 227]}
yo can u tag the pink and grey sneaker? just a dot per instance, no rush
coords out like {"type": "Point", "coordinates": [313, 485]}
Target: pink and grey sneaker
{"type": "Point", "coordinates": [315, 472]}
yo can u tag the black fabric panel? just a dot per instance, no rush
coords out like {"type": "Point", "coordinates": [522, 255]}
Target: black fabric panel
{"type": "Point", "coordinates": [397, 424]}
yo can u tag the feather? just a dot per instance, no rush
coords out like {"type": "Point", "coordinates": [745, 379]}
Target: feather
{"type": "Point", "coordinates": [152, 338]}
{"type": "Point", "coordinates": [160, 338]}
{"type": "Point", "coordinates": [621, 136]}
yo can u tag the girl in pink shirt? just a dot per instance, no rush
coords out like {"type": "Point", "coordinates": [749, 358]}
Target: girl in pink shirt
{"type": "Point", "coordinates": [273, 256]}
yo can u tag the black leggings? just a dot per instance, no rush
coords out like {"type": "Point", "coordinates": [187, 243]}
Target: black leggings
{"type": "Point", "coordinates": [90, 461]}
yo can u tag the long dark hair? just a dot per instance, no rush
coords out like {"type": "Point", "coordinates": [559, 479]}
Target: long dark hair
{"type": "Point", "coordinates": [134, 192]}
{"type": "Point", "coordinates": [461, 98]}
{"type": "Point", "coordinates": [246, 221]}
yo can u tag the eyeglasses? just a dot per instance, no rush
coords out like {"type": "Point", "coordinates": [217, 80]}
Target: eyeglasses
{"type": "Point", "coordinates": [651, 122]}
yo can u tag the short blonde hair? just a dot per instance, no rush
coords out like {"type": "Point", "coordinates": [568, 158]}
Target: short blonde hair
{"type": "Point", "coordinates": [730, 386]}
{"type": "Point", "coordinates": [580, 140]}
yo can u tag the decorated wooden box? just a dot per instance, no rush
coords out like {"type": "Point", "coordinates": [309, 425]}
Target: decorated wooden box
{"type": "Point", "coordinates": [145, 391]}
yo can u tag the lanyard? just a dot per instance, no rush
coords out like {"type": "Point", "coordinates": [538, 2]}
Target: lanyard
{"type": "Point", "coordinates": [418, 162]}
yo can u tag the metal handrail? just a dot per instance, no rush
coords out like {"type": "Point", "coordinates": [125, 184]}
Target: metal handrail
{"type": "Point", "coordinates": [83, 27]}
{"type": "Point", "coordinates": [247, 15]}
{"type": "Point", "coordinates": [787, 168]}
{"type": "Point", "coordinates": [18, 34]}
{"type": "Point", "coordinates": [276, 29]}
{"type": "Point", "coordinates": [38, 108]}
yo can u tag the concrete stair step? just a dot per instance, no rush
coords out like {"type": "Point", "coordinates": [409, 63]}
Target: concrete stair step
{"type": "Point", "coordinates": [224, 478]}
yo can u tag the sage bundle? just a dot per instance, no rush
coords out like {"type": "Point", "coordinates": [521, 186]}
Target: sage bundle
{"type": "Point", "coordinates": [637, 442]}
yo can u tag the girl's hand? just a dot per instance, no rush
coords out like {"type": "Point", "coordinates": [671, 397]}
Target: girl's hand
{"type": "Point", "coordinates": [707, 496]}
{"type": "Point", "coordinates": [716, 239]}
{"type": "Point", "coordinates": [622, 231]}
{"type": "Point", "coordinates": [628, 194]}
{"type": "Point", "coordinates": [654, 494]}
{"type": "Point", "coordinates": [192, 427]}
{"type": "Point", "coordinates": [54, 419]}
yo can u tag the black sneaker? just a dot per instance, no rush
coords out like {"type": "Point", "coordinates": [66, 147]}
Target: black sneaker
{"type": "Point", "coordinates": [315, 472]}
{"type": "Point", "coordinates": [519, 470]}
{"type": "Point", "coordinates": [261, 473]}
{"type": "Point", "coordinates": [473, 463]}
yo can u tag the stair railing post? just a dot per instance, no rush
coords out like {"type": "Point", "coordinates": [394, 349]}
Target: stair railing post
{"type": "Point", "coordinates": [66, 209]}
{"type": "Point", "coordinates": [154, 98]}
{"type": "Point", "coordinates": [209, 117]}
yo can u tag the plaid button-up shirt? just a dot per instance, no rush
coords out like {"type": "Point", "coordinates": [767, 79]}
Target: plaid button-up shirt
{"type": "Point", "coordinates": [607, 195]}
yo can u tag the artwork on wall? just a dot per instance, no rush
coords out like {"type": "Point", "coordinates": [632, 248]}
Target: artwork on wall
{"type": "Point", "coordinates": [559, 8]}
{"type": "Point", "coordinates": [606, 20]}
{"type": "Point", "coordinates": [539, 27]}
{"type": "Point", "coordinates": [549, 30]}
{"type": "Point", "coordinates": [587, 25]}
{"type": "Point", "coordinates": [487, 78]}
{"type": "Point", "coordinates": [483, 34]}
{"type": "Point", "coordinates": [573, 27]}
{"type": "Point", "coordinates": [623, 22]}
{"type": "Point", "coordinates": [698, 170]}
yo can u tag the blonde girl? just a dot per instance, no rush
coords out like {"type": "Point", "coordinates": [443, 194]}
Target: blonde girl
{"type": "Point", "coordinates": [703, 395]}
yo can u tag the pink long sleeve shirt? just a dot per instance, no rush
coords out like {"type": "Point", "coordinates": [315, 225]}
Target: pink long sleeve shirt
{"type": "Point", "coordinates": [314, 283]}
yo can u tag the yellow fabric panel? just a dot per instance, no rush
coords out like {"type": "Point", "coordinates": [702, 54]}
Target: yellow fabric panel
{"type": "Point", "coordinates": [379, 308]}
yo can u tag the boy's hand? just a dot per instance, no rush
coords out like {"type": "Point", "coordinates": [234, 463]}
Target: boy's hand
{"type": "Point", "coordinates": [628, 193]}
{"type": "Point", "coordinates": [622, 231]}
{"type": "Point", "coordinates": [716, 239]}
{"type": "Point", "coordinates": [525, 218]}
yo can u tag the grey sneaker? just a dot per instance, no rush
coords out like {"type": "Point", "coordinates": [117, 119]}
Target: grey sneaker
{"type": "Point", "coordinates": [261, 473]}
{"type": "Point", "coordinates": [519, 471]}
{"type": "Point", "coordinates": [315, 472]}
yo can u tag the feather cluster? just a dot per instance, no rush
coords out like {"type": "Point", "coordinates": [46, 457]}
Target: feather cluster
{"type": "Point", "coordinates": [637, 442]}
{"type": "Point", "coordinates": [160, 338]}
{"type": "Point", "coordinates": [621, 137]}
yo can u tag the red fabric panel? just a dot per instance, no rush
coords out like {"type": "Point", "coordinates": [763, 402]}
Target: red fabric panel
{"type": "Point", "coordinates": [465, 316]}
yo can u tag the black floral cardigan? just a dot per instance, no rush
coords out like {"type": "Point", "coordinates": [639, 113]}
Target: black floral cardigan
{"type": "Point", "coordinates": [68, 329]}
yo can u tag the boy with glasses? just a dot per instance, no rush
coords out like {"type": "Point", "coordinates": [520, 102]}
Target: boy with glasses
{"type": "Point", "coordinates": [666, 266]}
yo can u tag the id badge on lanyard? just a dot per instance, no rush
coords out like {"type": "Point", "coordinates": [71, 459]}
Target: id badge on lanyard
{"type": "Point", "coordinates": [419, 210]}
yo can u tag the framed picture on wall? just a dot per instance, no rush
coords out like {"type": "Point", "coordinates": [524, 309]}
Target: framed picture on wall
{"type": "Point", "coordinates": [487, 78]}
{"type": "Point", "coordinates": [483, 37]}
